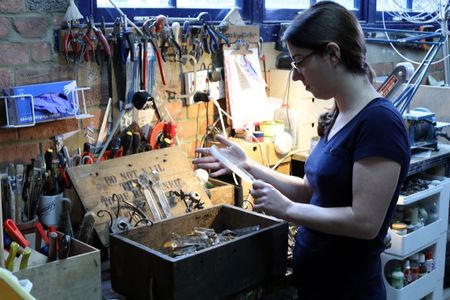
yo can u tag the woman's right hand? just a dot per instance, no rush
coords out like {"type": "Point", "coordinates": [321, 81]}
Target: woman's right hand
{"type": "Point", "coordinates": [217, 168]}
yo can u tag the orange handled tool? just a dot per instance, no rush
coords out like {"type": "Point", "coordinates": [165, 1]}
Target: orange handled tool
{"type": "Point", "coordinates": [42, 233]}
{"type": "Point", "coordinates": [14, 233]}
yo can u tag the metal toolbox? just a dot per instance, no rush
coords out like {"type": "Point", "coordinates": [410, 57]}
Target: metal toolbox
{"type": "Point", "coordinates": [140, 271]}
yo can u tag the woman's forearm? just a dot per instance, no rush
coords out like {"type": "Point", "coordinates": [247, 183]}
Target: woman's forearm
{"type": "Point", "coordinates": [292, 187]}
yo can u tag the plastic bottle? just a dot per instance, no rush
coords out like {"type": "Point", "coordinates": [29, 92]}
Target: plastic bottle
{"type": "Point", "coordinates": [433, 214]}
{"type": "Point", "coordinates": [422, 266]}
{"type": "Point", "coordinates": [397, 280]}
{"type": "Point", "coordinates": [429, 261]}
{"type": "Point", "coordinates": [289, 116]}
{"type": "Point", "coordinates": [414, 271]}
{"type": "Point", "coordinates": [407, 272]}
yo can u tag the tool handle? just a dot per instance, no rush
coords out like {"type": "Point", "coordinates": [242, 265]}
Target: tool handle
{"type": "Point", "coordinates": [15, 234]}
{"type": "Point", "coordinates": [42, 233]}
{"type": "Point", "coordinates": [65, 247]}
{"type": "Point", "coordinates": [161, 69]}
{"type": "Point", "coordinates": [131, 40]}
{"type": "Point", "coordinates": [52, 249]}
{"type": "Point", "coordinates": [11, 256]}
{"type": "Point", "coordinates": [145, 64]}
{"type": "Point", "coordinates": [25, 258]}
{"type": "Point", "coordinates": [104, 43]}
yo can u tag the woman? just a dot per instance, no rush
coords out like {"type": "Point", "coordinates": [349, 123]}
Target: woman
{"type": "Point", "coordinates": [345, 202]}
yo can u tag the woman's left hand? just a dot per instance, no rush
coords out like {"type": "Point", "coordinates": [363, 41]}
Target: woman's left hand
{"type": "Point", "coordinates": [269, 200]}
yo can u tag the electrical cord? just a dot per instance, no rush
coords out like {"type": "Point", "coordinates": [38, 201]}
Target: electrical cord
{"type": "Point", "coordinates": [400, 54]}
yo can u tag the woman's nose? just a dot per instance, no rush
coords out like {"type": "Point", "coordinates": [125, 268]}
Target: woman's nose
{"type": "Point", "coordinates": [296, 75]}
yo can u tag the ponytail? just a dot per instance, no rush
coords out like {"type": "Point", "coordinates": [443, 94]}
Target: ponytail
{"type": "Point", "coordinates": [326, 121]}
{"type": "Point", "coordinates": [370, 73]}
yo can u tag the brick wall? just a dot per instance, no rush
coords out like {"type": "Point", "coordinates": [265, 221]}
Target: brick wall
{"type": "Point", "coordinates": [28, 55]}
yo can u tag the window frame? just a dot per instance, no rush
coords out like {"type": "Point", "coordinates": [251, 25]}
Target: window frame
{"type": "Point", "coordinates": [89, 8]}
{"type": "Point", "coordinates": [252, 11]}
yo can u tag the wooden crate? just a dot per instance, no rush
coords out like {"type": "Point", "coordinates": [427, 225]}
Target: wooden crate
{"type": "Point", "coordinates": [76, 277]}
{"type": "Point", "coordinates": [222, 192]}
{"type": "Point", "coordinates": [140, 270]}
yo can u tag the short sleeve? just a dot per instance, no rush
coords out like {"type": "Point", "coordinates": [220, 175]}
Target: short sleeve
{"type": "Point", "coordinates": [382, 133]}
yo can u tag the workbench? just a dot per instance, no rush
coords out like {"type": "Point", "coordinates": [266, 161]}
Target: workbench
{"type": "Point", "coordinates": [439, 161]}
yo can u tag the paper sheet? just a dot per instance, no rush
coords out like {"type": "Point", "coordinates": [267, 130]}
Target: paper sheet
{"type": "Point", "coordinates": [246, 89]}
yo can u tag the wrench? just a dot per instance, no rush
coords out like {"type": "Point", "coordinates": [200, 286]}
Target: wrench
{"type": "Point", "coordinates": [144, 182]}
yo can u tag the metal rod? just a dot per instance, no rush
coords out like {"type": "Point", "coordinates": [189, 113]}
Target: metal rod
{"type": "Point", "coordinates": [126, 18]}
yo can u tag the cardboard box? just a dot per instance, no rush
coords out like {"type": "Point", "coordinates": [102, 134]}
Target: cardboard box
{"type": "Point", "coordinates": [76, 277]}
{"type": "Point", "coordinates": [140, 271]}
{"type": "Point", "coordinates": [221, 193]}
{"type": "Point", "coordinates": [59, 99]}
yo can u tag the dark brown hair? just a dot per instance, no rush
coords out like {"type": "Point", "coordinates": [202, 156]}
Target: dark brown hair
{"type": "Point", "coordinates": [323, 23]}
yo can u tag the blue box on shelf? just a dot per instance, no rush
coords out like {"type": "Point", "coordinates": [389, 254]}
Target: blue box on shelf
{"type": "Point", "coordinates": [49, 101]}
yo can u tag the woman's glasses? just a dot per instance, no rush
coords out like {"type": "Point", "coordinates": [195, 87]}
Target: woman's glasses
{"type": "Point", "coordinates": [297, 64]}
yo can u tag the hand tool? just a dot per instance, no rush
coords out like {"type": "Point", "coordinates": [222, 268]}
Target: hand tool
{"type": "Point", "coordinates": [185, 37]}
{"type": "Point", "coordinates": [152, 27]}
{"type": "Point", "coordinates": [52, 248]}
{"type": "Point", "coordinates": [136, 142]}
{"type": "Point", "coordinates": [161, 196]}
{"type": "Point", "coordinates": [19, 189]}
{"type": "Point", "coordinates": [41, 235]}
{"type": "Point", "coordinates": [88, 44]}
{"type": "Point", "coordinates": [71, 46]}
{"type": "Point", "coordinates": [87, 228]}
{"type": "Point", "coordinates": [144, 74]}
{"type": "Point", "coordinates": [65, 246]}
{"type": "Point", "coordinates": [11, 256]}
{"type": "Point", "coordinates": [204, 35]}
{"type": "Point", "coordinates": [101, 38]}
{"type": "Point", "coordinates": [12, 190]}
{"type": "Point", "coordinates": [14, 233]}
{"type": "Point", "coordinates": [65, 223]}
{"type": "Point", "coordinates": [48, 157]}
{"type": "Point", "coordinates": [25, 258]}
{"type": "Point", "coordinates": [60, 138]}
{"type": "Point", "coordinates": [127, 142]}
{"type": "Point", "coordinates": [144, 182]}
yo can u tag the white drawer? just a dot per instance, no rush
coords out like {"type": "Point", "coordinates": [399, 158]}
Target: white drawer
{"type": "Point", "coordinates": [405, 245]}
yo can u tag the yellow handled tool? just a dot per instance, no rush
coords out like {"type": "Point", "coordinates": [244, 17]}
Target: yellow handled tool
{"type": "Point", "coordinates": [12, 255]}
{"type": "Point", "coordinates": [25, 257]}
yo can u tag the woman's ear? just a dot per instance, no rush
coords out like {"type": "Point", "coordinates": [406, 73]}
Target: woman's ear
{"type": "Point", "coordinates": [335, 53]}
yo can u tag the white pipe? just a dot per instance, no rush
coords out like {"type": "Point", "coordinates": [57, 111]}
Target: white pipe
{"type": "Point", "coordinates": [126, 18]}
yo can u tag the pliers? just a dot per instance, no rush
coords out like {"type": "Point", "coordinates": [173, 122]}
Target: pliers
{"type": "Point", "coordinates": [88, 44]}
{"type": "Point", "coordinates": [101, 38]}
{"type": "Point", "coordinates": [150, 27]}
{"type": "Point", "coordinates": [70, 45]}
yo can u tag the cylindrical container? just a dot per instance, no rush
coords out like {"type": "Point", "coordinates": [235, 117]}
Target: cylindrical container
{"type": "Point", "coordinates": [50, 209]}
{"type": "Point", "coordinates": [397, 278]}
{"type": "Point", "coordinates": [399, 228]}
{"type": "Point", "coordinates": [407, 272]}
{"type": "Point", "coordinates": [258, 136]}
{"type": "Point", "coordinates": [429, 261]}
{"type": "Point", "coordinates": [413, 215]}
{"type": "Point", "coordinates": [289, 116]}
{"type": "Point", "coordinates": [422, 266]}
{"type": "Point", "coordinates": [271, 128]}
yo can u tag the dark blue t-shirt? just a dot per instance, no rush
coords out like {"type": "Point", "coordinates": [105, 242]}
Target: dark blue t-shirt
{"type": "Point", "coordinates": [336, 267]}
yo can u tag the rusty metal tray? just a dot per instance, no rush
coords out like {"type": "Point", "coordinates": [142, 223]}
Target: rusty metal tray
{"type": "Point", "coordinates": [140, 271]}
